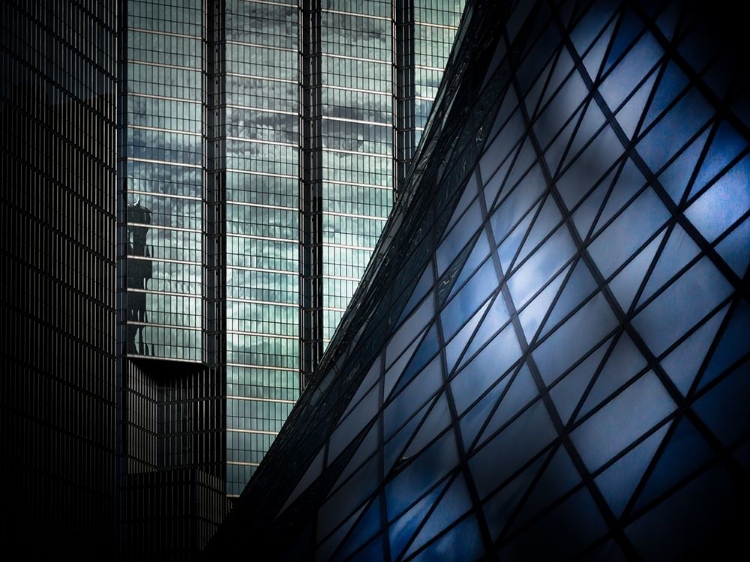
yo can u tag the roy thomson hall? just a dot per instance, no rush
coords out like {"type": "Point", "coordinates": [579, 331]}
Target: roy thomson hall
{"type": "Point", "coordinates": [546, 357]}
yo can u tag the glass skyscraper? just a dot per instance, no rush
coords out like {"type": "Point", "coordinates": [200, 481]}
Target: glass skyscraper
{"type": "Point", "coordinates": [57, 213]}
{"type": "Point", "coordinates": [547, 358]}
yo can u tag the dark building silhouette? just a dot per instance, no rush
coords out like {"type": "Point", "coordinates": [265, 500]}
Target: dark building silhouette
{"type": "Point", "coordinates": [547, 358]}
{"type": "Point", "coordinates": [57, 258]}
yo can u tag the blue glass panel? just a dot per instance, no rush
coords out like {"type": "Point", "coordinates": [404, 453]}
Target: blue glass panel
{"type": "Point", "coordinates": [686, 451]}
{"type": "Point", "coordinates": [354, 423]}
{"type": "Point", "coordinates": [541, 266]}
{"type": "Point", "coordinates": [497, 317]}
{"type": "Point", "coordinates": [567, 393]}
{"type": "Point", "coordinates": [725, 202]}
{"type": "Point", "coordinates": [632, 413]}
{"type": "Point", "coordinates": [590, 124]}
{"type": "Point", "coordinates": [436, 421]}
{"type": "Point", "coordinates": [421, 474]}
{"type": "Point", "coordinates": [425, 284]}
{"type": "Point", "coordinates": [629, 182]}
{"type": "Point", "coordinates": [474, 419]}
{"type": "Point", "coordinates": [367, 526]}
{"type": "Point", "coordinates": [558, 478]}
{"type": "Point", "coordinates": [720, 500]}
{"type": "Point", "coordinates": [361, 458]}
{"type": "Point", "coordinates": [631, 70]}
{"type": "Point", "coordinates": [628, 232]}
{"type": "Point", "coordinates": [484, 369]}
{"type": "Point", "coordinates": [724, 408]}
{"type": "Point", "coordinates": [598, 14]}
{"type": "Point", "coordinates": [683, 363]}
{"type": "Point", "coordinates": [595, 56]}
{"type": "Point", "coordinates": [416, 394]}
{"type": "Point", "coordinates": [426, 351]}
{"type": "Point", "coordinates": [407, 332]}
{"type": "Point", "coordinates": [394, 448]}
{"type": "Point", "coordinates": [571, 341]}
{"type": "Point", "coordinates": [509, 105]}
{"type": "Point", "coordinates": [509, 247]}
{"type": "Point", "coordinates": [531, 316]}
{"type": "Point", "coordinates": [500, 507]}
{"type": "Point", "coordinates": [675, 177]}
{"type": "Point", "coordinates": [478, 255]}
{"type": "Point", "coordinates": [626, 283]}
{"type": "Point", "coordinates": [505, 141]}
{"type": "Point", "coordinates": [394, 371]}
{"type": "Point", "coordinates": [672, 83]}
{"type": "Point", "coordinates": [463, 543]}
{"type": "Point", "coordinates": [629, 27]}
{"type": "Point", "coordinates": [661, 322]}
{"type": "Point", "coordinates": [522, 390]}
{"type": "Point", "coordinates": [453, 504]}
{"type": "Point", "coordinates": [494, 187]}
{"type": "Point", "coordinates": [674, 130]}
{"type": "Point", "coordinates": [372, 375]}
{"type": "Point", "coordinates": [623, 363]}
{"type": "Point", "coordinates": [619, 481]}
{"type": "Point", "coordinates": [468, 195]}
{"type": "Point", "coordinates": [546, 221]}
{"type": "Point", "coordinates": [458, 237]}
{"type": "Point", "coordinates": [589, 167]}
{"type": "Point", "coordinates": [734, 248]}
{"type": "Point", "coordinates": [726, 144]}
{"type": "Point", "coordinates": [312, 472]}
{"type": "Point", "coordinates": [563, 68]}
{"type": "Point", "coordinates": [403, 528]}
{"type": "Point", "coordinates": [454, 349]}
{"type": "Point", "coordinates": [510, 450]}
{"type": "Point", "coordinates": [561, 534]}
{"type": "Point", "coordinates": [588, 209]}
{"type": "Point", "coordinates": [630, 115]}
{"type": "Point", "coordinates": [678, 251]}
{"type": "Point", "coordinates": [324, 551]}
{"type": "Point", "coordinates": [522, 167]}
{"type": "Point", "coordinates": [580, 285]}
{"type": "Point", "coordinates": [469, 299]}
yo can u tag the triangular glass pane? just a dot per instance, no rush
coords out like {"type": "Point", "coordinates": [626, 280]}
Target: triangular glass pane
{"type": "Point", "coordinates": [447, 281]}
{"type": "Point", "coordinates": [463, 542]}
{"type": "Point", "coordinates": [502, 505]}
{"type": "Point", "coordinates": [724, 408]}
{"type": "Point", "coordinates": [458, 343]}
{"type": "Point", "coordinates": [734, 248]}
{"type": "Point", "coordinates": [485, 368]}
{"type": "Point", "coordinates": [436, 421]}
{"type": "Point", "coordinates": [516, 204]}
{"type": "Point", "coordinates": [735, 342]}
{"type": "Point", "coordinates": [394, 372]}
{"type": "Point", "coordinates": [678, 251]}
{"type": "Point", "coordinates": [593, 59]}
{"type": "Point", "coordinates": [497, 317]}
{"type": "Point", "coordinates": [623, 363]}
{"type": "Point", "coordinates": [686, 451]}
{"type": "Point", "coordinates": [558, 478]}
{"type": "Point", "coordinates": [554, 153]}
{"type": "Point", "coordinates": [372, 375]}
{"type": "Point", "coordinates": [453, 505]}
{"type": "Point", "coordinates": [629, 116]}
{"type": "Point", "coordinates": [585, 32]}
{"type": "Point", "coordinates": [562, 69]}
{"type": "Point", "coordinates": [668, 20]}
{"type": "Point", "coordinates": [346, 432]}
{"type": "Point", "coordinates": [469, 298]}
{"type": "Point", "coordinates": [726, 145]}
{"type": "Point", "coordinates": [548, 219]}
{"type": "Point", "coordinates": [671, 84]}
{"type": "Point", "coordinates": [592, 121]}
{"type": "Point", "coordinates": [325, 550]}
{"type": "Point", "coordinates": [312, 472]}
{"type": "Point", "coordinates": [508, 249]}
{"type": "Point", "coordinates": [683, 363]}
{"type": "Point", "coordinates": [724, 203]}
{"type": "Point", "coordinates": [522, 391]}
{"type": "Point", "coordinates": [470, 191]}
{"type": "Point", "coordinates": [626, 283]}
{"type": "Point", "coordinates": [474, 419]}
{"type": "Point", "coordinates": [366, 448]}
{"type": "Point", "coordinates": [532, 97]}
{"type": "Point", "coordinates": [507, 142]}
{"type": "Point", "coordinates": [580, 285]}
{"type": "Point", "coordinates": [531, 317]}
{"type": "Point", "coordinates": [479, 253]}
{"type": "Point", "coordinates": [459, 237]}
{"type": "Point", "coordinates": [394, 448]}
{"type": "Point", "coordinates": [367, 527]}
{"type": "Point", "coordinates": [496, 183]}
{"type": "Point", "coordinates": [522, 166]}
{"type": "Point", "coordinates": [402, 530]}
{"type": "Point", "coordinates": [629, 27]}
{"type": "Point", "coordinates": [619, 481]}
{"type": "Point", "coordinates": [675, 178]}
{"type": "Point", "coordinates": [584, 215]}
{"type": "Point", "coordinates": [426, 351]}
{"type": "Point", "coordinates": [568, 392]}
{"type": "Point", "coordinates": [629, 182]}
{"type": "Point", "coordinates": [508, 107]}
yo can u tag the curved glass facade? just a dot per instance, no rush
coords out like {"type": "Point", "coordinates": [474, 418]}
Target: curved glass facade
{"type": "Point", "coordinates": [548, 355]}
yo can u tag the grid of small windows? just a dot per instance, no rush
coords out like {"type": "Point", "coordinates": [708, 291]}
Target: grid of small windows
{"type": "Point", "coordinates": [163, 179]}
{"type": "Point", "coordinates": [259, 117]}
{"type": "Point", "coordinates": [567, 375]}
{"type": "Point", "coordinates": [57, 214]}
